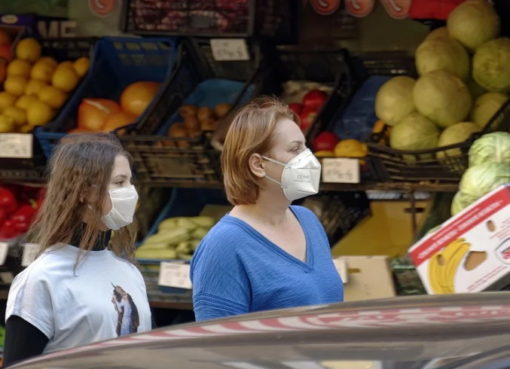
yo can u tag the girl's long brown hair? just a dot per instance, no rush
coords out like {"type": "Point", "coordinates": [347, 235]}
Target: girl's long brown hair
{"type": "Point", "coordinates": [80, 172]}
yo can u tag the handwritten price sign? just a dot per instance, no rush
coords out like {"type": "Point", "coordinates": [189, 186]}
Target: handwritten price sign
{"type": "Point", "coordinates": [229, 49]}
{"type": "Point", "coordinates": [16, 145]}
{"type": "Point", "coordinates": [340, 170]}
{"type": "Point", "coordinates": [174, 275]}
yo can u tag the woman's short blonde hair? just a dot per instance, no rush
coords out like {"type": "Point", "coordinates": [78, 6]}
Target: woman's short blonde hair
{"type": "Point", "coordinates": [250, 132]}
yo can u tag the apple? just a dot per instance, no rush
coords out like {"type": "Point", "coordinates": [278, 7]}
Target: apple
{"type": "Point", "coordinates": [325, 141]}
{"type": "Point", "coordinates": [296, 108]}
{"type": "Point", "coordinates": [315, 99]}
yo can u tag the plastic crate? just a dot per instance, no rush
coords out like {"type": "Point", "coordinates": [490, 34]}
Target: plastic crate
{"type": "Point", "coordinates": [209, 18]}
{"type": "Point", "coordinates": [117, 62]}
{"type": "Point", "coordinates": [182, 202]}
{"type": "Point", "coordinates": [61, 49]}
{"type": "Point", "coordinates": [197, 80]}
{"type": "Point", "coordinates": [438, 165]}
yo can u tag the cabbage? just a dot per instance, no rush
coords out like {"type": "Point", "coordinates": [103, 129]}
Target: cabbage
{"type": "Point", "coordinates": [473, 23]}
{"type": "Point", "coordinates": [490, 148]}
{"type": "Point", "coordinates": [442, 53]}
{"type": "Point", "coordinates": [457, 133]}
{"type": "Point", "coordinates": [482, 179]}
{"type": "Point", "coordinates": [394, 100]}
{"type": "Point", "coordinates": [460, 202]}
{"type": "Point", "coordinates": [491, 65]}
{"type": "Point", "coordinates": [442, 97]}
{"type": "Point", "coordinates": [438, 33]}
{"type": "Point", "coordinates": [486, 106]}
{"type": "Point", "coordinates": [414, 132]}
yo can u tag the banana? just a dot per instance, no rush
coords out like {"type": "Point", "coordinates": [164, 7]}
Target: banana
{"type": "Point", "coordinates": [443, 266]}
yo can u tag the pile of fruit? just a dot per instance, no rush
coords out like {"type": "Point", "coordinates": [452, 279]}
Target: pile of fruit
{"type": "Point", "coordinates": [327, 144]}
{"type": "Point", "coordinates": [464, 75]}
{"type": "Point", "coordinates": [196, 120]}
{"type": "Point", "coordinates": [306, 99]}
{"type": "Point", "coordinates": [18, 207]}
{"type": "Point", "coordinates": [106, 115]}
{"type": "Point", "coordinates": [35, 86]}
{"type": "Point", "coordinates": [177, 238]}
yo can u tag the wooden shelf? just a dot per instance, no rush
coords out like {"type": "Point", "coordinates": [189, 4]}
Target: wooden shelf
{"type": "Point", "coordinates": [171, 305]}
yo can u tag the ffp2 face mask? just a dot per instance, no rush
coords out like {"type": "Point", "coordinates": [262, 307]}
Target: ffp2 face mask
{"type": "Point", "coordinates": [300, 177]}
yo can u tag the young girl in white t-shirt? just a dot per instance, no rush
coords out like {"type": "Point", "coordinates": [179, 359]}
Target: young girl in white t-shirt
{"type": "Point", "coordinates": [83, 286]}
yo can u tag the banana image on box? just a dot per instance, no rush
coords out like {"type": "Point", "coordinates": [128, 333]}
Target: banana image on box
{"type": "Point", "coordinates": [443, 266]}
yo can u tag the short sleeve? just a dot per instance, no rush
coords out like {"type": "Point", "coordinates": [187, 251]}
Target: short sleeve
{"type": "Point", "coordinates": [221, 287]}
{"type": "Point", "coordinates": [30, 299]}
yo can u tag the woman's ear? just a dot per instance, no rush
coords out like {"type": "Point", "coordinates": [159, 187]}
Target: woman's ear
{"type": "Point", "coordinates": [256, 163]}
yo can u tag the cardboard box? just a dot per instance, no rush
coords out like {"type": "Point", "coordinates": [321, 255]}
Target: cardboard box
{"type": "Point", "coordinates": [365, 277]}
{"type": "Point", "coordinates": [471, 251]}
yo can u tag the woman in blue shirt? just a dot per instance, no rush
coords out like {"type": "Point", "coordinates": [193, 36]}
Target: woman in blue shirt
{"type": "Point", "coordinates": [266, 253]}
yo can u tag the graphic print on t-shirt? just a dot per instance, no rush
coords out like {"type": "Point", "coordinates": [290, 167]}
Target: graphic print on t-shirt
{"type": "Point", "coordinates": [128, 319]}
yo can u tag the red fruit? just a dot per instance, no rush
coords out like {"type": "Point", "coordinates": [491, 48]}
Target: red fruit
{"type": "Point", "coordinates": [325, 141]}
{"type": "Point", "coordinates": [307, 117]}
{"type": "Point", "coordinates": [3, 216]}
{"type": "Point", "coordinates": [315, 98]}
{"type": "Point", "coordinates": [24, 214]}
{"type": "Point", "coordinates": [7, 200]}
{"type": "Point", "coordinates": [5, 52]}
{"type": "Point", "coordinates": [296, 108]}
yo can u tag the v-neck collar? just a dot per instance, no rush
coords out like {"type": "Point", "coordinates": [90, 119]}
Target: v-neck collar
{"type": "Point", "coordinates": [307, 265]}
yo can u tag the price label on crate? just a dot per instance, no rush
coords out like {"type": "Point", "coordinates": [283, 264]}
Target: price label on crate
{"type": "Point", "coordinates": [4, 248]}
{"type": "Point", "coordinates": [340, 170]}
{"type": "Point", "coordinates": [29, 253]}
{"type": "Point", "coordinates": [174, 275]}
{"type": "Point", "coordinates": [229, 49]}
{"type": "Point", "coordinates": [16, 145]}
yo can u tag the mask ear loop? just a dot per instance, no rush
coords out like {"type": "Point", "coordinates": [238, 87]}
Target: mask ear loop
{"type": "Point", "coordinates": [275, 162]}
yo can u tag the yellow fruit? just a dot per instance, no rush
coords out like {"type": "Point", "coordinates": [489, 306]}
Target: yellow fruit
{"type": "Point", "coordinates": [39, 113]}
{"type": "Point", "coordinates": [52, 96]}
{"type": "Point", "coordinates": [18, 115]}
{"type": "Point", "coordinates": [19, 67]}
{"type": "Point", "coordinates": [6, 124]}
{"type": "Point", "coordinates": [351, 148]}
{"type": "Point", "coordinates": [25, 101]}
{"type": "Point", "coordinates": [26, 128]}
{"type": "Point", "coordinates": [65, 79]}
{"type": "Point", "coordinates": [42, 71]}
{"type": "Point", "coordinates": [6, 99]}
{"type": "Point", "coordinates": [81, 66]}
{"type": "Point", "coordinates": [34, 86]}
{"type": "Point", "coordinates": [49, 60]}
{"type": "Point", "coordinates": [28, 49]}
{"type": "Point", "coordinates": [66, 64]}
{"type": "Point", "coordinates": [15, 85]}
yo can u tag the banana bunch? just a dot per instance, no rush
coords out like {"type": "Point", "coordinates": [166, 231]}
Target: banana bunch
{"type": "Point", "coordinates": [177, 238]}
{"type": "Point", "coordinates": [443, 266]}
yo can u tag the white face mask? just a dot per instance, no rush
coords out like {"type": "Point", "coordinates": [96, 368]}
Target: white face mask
{"type": "Point", "coordinates": [124, 201]}
{"type": "Point", "coordinates": [300, 177]}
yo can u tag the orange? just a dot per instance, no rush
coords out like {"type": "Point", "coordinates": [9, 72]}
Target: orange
{"type": "Point", "coordinates": [93, 112]}
{"type": "Point", "coordinates": [137, 96]}
{"type": "Point", "coordinates": [39, 113]}
{"type": "Point", "coordinates": [81, 66]}
{"type": "Point", "coordinates": [28, 49]}
{"type": "Point", "coordinates": [42, 71]}
{"type": "Point", "coordinates": [19, 67]}
{"type": "Point", "coordinates": [15, 85]}
{"type": "Point", "coordinates": [65, 79]}
{"type": "Point", "coordinates": [34, 86]}
{"type": "Point", "coordinates": [52, 96]}
{"type": "Point", "coordinates": [116, 120]}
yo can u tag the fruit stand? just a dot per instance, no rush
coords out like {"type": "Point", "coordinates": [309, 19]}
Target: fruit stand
{"type": "Point", "coordinates": [389, 122]}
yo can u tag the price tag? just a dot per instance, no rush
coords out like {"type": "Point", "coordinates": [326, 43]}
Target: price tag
{"type": "Point", "coordinates": [29, 253]}
{"type": "Point", "coordinates": [4, 248]}
{"type": "Point", "coordinates": [174, 275]}
{"type": "Point", "coordinates": [16, 145]}
{"type": "Point", "coordinates": [229, 49]}
{"type": "Point", "coordinates": [340, 170]}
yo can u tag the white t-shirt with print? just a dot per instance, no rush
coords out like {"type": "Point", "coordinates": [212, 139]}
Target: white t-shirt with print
{"type": "Point", "coordinates": [102, 298]}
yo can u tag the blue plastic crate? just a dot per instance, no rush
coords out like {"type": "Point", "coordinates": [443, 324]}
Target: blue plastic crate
{"type": "Point", "coordinates": [117, 62]}
{"type": "Point", "coordinates": [183, 202]}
